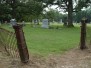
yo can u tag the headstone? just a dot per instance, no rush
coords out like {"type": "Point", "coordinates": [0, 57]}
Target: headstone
{"type": "Point", "coordinates": [5, 22]}
{"type": "Point", "coordinates": [35, 23]}
{"type": "Point", "coordinates": [23, 23]}
{"type": "Point", "coordinates": [13, 22]}
{"type": "Point", "coordinates": [45, 23]}
{"type": "Point", "coordinates": [60, 20]}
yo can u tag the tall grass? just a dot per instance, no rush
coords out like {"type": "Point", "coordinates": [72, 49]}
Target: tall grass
{"type": "Point", "coordinates": [88, 32]}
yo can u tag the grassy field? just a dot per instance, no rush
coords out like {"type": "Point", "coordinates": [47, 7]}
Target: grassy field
{"type": "Point", "coordinates": [51, 41]}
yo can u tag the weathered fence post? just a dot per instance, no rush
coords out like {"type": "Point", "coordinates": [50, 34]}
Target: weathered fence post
{"type": "Point", "coordinates": [83, 34]}
{"type": "Point", "coordinates": [23, 51]}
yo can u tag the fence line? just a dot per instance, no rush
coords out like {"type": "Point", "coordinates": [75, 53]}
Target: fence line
{"type": "Point", "coordinates": [9, 43]}
{"type": "Point", "coordinates": [85, 39]}
{"type": "Point", "coordinates": [14, 43]}
{"type": "Point", "coordinates": [21, 42]}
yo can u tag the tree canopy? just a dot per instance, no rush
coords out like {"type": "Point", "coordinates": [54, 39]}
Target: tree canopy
{"type": "Point", "coordinates": [26, 9]}
{"type": "Point", "coordinates": [19, 9]}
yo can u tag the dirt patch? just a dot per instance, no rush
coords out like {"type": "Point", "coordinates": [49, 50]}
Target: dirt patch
{"type": "Point", "coordinates": [74, 58]}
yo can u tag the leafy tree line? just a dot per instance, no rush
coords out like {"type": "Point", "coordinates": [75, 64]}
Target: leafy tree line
{"type": "Point", "coordinates": [55, 15]}
{"type": "Point", "coordinates": [79, 15]}
{"type": "Point", "coordinates": [19, 9]}
{"type": "Point", "coordinates": [31, 9]}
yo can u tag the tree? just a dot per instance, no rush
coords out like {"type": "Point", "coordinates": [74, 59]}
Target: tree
{"type": "Point", "coordinates": [69, 6]}
{"type": "Point", "coordinates": [53, 15]}
{"type": "Point", "coordinates": [79, 15]}
{"type": "Point", "coordinates": [70, 11]}
{"type": "Point", "coordinates": [50, 15]}
{"type": "Point", "coordinates": [79, 12]}
{"type": "Point", "coordinates": [20, 9]}
{"type": "Point", "coordinates": [81, 4]}
{"type": "Point", "coordinates": [4, 11]}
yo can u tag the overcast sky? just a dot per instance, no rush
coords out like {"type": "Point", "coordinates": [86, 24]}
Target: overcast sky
{"type": "Point", "coordinates": [55, 7]}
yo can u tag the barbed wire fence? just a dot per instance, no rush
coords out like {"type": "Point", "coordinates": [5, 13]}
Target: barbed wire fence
{"type": "Point", "coordinates": [13, 43]}
{"type": "Point", "coordinates": [9, 43]}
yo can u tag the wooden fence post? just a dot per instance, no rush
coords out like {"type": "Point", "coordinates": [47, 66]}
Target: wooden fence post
{"type": "Point", "coordinates": [83, 34]}
{"type": "Point", "coordinates": [22, 47]}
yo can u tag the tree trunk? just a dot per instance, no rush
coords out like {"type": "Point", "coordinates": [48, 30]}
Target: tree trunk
{"type": "Point", "coordinates": [65, 24]}
{"type": "Point", "coordinates": [13, 5]}
{"type": "Point", "coordinates": [70, 11]}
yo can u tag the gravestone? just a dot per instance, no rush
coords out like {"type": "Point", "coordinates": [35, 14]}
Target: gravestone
{"type": "Point", "coordinates": [45, 23]}
{"type": "Point", "coordinates": [23, 23]}
{"type": "Point", "coordinates": [35, 23]}
{"type": "Point", "coordinates": [60, 20]}
{"type": "Point", "coordinates": [13, 22]}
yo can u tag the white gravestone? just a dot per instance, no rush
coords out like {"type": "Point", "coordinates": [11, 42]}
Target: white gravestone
{"type": "Point", "coordinates": [13, 22]}
{"type": "Point", "coordinates": [23, 23]}
{"type": "Point", "coordinates": [45, 23]}
{"type": "Point", "coordinates": [35, 23]}
{"type": "Point", "coordinates": [60, 20]}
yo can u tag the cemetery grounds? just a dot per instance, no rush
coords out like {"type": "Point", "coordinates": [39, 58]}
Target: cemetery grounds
{"type": "Point", "coordinates": [51, 48]}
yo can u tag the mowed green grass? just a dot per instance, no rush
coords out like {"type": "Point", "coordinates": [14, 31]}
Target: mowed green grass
{"type": "Point", "coordinates": [51, 41]}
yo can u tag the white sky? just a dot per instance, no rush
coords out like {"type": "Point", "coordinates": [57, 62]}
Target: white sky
{"type": "Point", "coordinates": [55, 7]}
{"type": "Point", "coordinates": [61, 10]}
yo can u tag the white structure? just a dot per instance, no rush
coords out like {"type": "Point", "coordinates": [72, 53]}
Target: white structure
{"type": "Point", "coordinates": [35, 23]}
{"type": "Point", "coordinates": [45, 23]}
{"type": "Point", "coordinates": [13, 22]}
{"type": "Point", "coordinates": [23, 23]}
{"type": "Point", "coordinates": [61, 21]}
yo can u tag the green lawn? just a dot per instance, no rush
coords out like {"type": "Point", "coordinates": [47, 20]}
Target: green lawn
{"type": "Point", "coordinates": [51, 41]}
